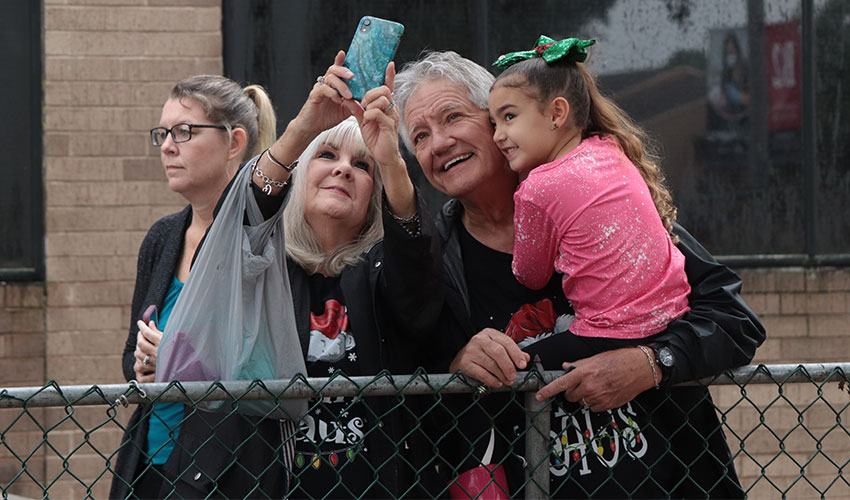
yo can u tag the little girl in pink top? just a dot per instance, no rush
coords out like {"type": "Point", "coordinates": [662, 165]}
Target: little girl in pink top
{"type": "Point", "coordinates": [592, 204]}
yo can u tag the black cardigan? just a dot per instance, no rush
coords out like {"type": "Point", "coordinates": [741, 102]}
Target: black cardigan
{"type": "Point", "coordinates": [198, 464]}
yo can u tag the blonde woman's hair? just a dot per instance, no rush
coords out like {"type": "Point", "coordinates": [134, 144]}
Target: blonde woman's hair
{"type": "Point", "coordinates": [302, 246]}
{"type": "Point", "coordinates": [225, 102]}
{"type": "Point", "coordinates": [594, 114]}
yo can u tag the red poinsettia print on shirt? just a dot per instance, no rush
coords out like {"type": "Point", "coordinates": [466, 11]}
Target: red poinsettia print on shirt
{"type": "Point", "coordinates": [329, 336]}
{"type": "Point", "coordinates": [533, 322]}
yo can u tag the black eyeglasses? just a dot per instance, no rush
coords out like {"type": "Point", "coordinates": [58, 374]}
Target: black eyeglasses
{"type": "Point", "coordinates": [182, 132]}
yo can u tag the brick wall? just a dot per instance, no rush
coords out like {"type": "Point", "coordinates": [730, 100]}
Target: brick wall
{"type": "Point", "coordinates": [806, 313]}
{"type": "Point", "coordinates": [21, 365]}
{"type": "Point", "coordinates": [108, 68]}
{"type": "Point", "coordinates": [21, 334]}
{"type": "Point", "coordinates": [109, 65]}
{"type": "Point", "coordinates": [807, 317]}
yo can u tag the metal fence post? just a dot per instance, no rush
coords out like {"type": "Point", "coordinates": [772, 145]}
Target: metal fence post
{"type": "Point", "coordinates": [537, 421]}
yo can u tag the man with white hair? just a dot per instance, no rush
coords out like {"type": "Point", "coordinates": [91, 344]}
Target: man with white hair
{"type": "Point", "coordinates": [442, 100]}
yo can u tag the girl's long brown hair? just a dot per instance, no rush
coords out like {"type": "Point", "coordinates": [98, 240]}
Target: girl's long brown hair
{"type": "Point", "coordinates": [594, 114]}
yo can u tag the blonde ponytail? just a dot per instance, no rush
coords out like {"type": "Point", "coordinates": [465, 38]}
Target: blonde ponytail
{"type": "Point", "coordinates": [266, 119]}
{"type": "Point", "coordinates": [226, 102]}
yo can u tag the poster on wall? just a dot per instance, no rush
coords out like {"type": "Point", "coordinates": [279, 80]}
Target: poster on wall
{"type": "Point", "coordinates": [728, 97]}
{"type": "Point", "coordinates": [728, 78]}
{"type": "Point", "coordinates": [783, 75]}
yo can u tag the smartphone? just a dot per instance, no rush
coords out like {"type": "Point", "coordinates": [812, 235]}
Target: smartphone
{"type": "Point", "coordinates": [150, 314]}
{"type": "Point", "coordinates": [372, 48]}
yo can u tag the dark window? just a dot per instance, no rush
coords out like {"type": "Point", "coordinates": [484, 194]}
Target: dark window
{"type": "Point", "coordinates": [831, 170]}
{"type": "Point", "coordinates": [752, 140]}
{"type": "Point", "coordinates": [21, 212]}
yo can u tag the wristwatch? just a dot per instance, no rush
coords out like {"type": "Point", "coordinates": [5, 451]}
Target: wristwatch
{"type": "Point", "coordinates": [664, 359]}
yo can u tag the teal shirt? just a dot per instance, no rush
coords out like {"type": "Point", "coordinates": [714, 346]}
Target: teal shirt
{"type": "Point", "coordinates": [166, 417]}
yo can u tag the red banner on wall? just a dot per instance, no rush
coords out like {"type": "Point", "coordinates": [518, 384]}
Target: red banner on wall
{"type": "Point", "coordinates": [783, 75]}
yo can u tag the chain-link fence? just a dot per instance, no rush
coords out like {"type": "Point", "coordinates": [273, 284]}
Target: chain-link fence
{"type": "Point", "coordinates": [762, 432]}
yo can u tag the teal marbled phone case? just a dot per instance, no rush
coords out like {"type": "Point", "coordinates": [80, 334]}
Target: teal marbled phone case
{"type": "Point", "coordinates": [372, 48]}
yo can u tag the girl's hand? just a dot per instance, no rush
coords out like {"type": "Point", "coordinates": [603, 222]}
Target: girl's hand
{"type": "Point", "coordinates": [147, 345]}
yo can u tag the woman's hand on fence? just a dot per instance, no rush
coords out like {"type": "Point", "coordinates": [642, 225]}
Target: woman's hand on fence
{"type": "Point", "coordinates": [147, 344]}
{"type": "Point", "coordinates": [604, 381]}
{"type": "Point", "coordinates": [490, 357]}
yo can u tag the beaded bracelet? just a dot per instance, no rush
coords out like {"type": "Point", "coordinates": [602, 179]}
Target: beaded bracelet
{"type": "Point", "coordinates": [651, 365]}
{"type": "Point", "coordinates": [410, 224]}
{"type": "Point", "coordinates": [406, 220]}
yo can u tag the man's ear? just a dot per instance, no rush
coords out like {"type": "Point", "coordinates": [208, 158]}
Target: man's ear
{"type": "Point", "coordinates": [559, 109]}
{"type": "Point", "coordinates": [238, 143]}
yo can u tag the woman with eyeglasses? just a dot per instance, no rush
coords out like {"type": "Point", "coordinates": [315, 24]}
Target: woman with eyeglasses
{"type": "Point", "coordinates": [209, 125]}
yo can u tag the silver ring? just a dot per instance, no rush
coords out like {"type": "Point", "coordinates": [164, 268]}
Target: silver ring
{"type": "Point", "coordinates": [391, 106]}
{"type": "Point", "coordinates": [147, 360]}
{"type": "Point", "coordinates": [320, 80]}
{"type": "Point", "coordinates": [483, 390]}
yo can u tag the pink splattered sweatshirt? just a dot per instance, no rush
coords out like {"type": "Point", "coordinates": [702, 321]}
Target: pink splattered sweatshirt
{"type": "Point", "coordinates": [589, 215]}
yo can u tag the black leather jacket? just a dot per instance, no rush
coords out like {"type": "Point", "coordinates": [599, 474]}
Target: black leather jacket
{"type": "Point", "coordinates": [718, 333]}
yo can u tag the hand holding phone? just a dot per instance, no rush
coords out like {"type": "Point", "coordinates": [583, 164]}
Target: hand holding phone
{"type": "Point", "coordinates": [372, 48]}
{"type": "Point", "coordinates": [147, 344]}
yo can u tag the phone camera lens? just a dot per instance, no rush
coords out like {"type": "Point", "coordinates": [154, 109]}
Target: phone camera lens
{"type": "Point", "coordinates": [367, 22]}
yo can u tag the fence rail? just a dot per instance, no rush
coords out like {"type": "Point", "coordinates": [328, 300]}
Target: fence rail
{"type": "Point", "coordinates": [785, 426]}
{"type": "Point", "coordinates": [384, 384]}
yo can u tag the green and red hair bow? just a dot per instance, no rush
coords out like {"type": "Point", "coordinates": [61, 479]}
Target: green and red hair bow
{"type": "Point", "coordinates": [568, 49]}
